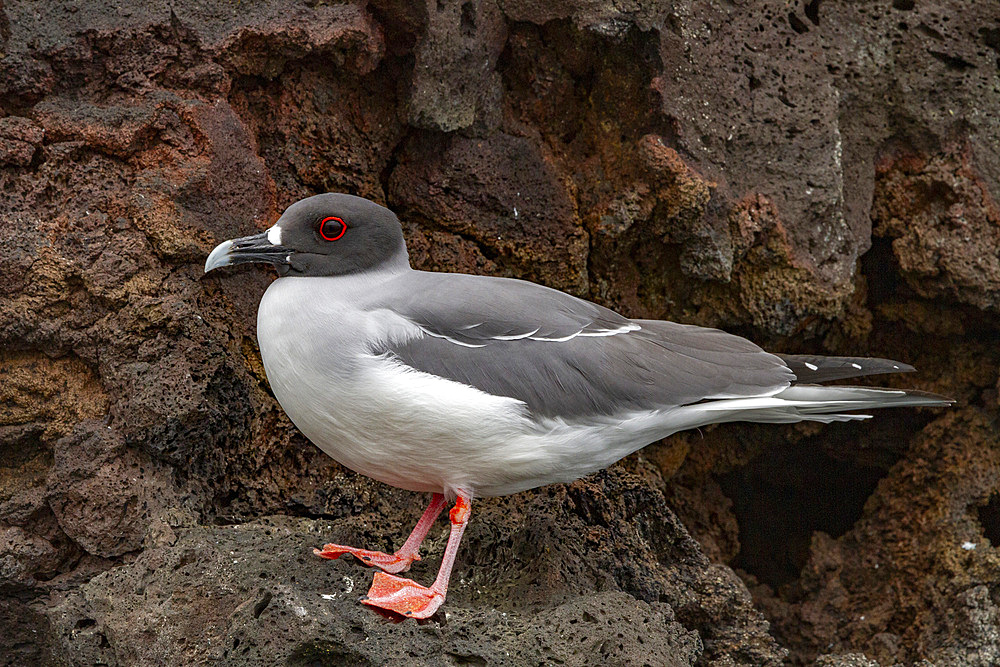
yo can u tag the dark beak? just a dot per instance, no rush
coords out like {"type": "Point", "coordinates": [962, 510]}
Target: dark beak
{"type": "Point", "coordinates": [249, 249]}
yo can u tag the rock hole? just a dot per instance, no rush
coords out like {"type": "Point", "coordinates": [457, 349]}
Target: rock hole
{"type": "Point", "coordinates": [468, 18]}
{"type": "Point", "coordinates": [812, 11]}
{"type": "Point", "coordinates": [991, 38]}
{"type": "Point", "coordinates": [880, 267]}
{"type": "Point", "coordinates": [784, 496]}
{"type": "Point", "coordinates": [798, 25]}
{"type": "Point", "coordinates": [953, 62]}
{"type": "Point", "coordinates": [261, 605]}
{"type": "Point", "coordinates": [930, 32]}
{"type": "Point", "coordinates": [85, 623]}
{"type": "Point", "coordinates": [904, 5]}
{"type": "Point", "coordinates": [989, 519]}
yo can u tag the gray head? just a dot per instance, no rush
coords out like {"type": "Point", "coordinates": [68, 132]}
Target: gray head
{"type": "Point", "coordinates": [325, 235]}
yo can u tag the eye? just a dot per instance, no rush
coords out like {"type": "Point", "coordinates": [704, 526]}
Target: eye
{"type": "Point", "coordinates": [332, 228]}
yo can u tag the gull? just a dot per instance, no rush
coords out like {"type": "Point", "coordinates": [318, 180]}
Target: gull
{"type": "Point", "coordinates": [468, 386]}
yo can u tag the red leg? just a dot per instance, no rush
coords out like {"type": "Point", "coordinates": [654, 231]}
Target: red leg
{"type": "Point", "coordinates": [409, 598]}
{"type": "Point", "coordinates": [399, 561]}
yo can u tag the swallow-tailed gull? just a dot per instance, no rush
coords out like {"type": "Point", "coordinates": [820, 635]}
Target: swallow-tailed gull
{"type": "Point", "coordinates": [461, 386]}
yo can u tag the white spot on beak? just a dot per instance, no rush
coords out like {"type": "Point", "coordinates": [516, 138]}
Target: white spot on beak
{"type": "Point", "coordinates": [811, 367]}
{"type": "Point", "coordinates": [858, 366]}
{"type": "Point", "coordinates": [274, 235]}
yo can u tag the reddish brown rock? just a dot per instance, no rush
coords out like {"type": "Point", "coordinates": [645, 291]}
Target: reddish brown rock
{"type": "Point", "coordinates": [19, 137]}
{"type": "Point", "coordinates": [104, 495]}
{"type": "Point", "coordinates": [944, 226]}
{"type": "Point", "coordinates": [455, 83]}
{"type": "Point", "coordinates": [505, 194]}
{"type": "Point", "coordinates": [913, 570]}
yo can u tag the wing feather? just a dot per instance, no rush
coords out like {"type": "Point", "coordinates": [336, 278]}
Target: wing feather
{"type": "Point", "coordinates": [566, 357]}
{"type": "Point", "coordinates": [814, 369]}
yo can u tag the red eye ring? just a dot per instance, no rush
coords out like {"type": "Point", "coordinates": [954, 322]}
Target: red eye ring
{"type": "Point", "coordinates": [343, 228]}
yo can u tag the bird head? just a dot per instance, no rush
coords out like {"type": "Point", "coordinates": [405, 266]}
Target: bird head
{"type": "Point", "coordinates": [324, 235]}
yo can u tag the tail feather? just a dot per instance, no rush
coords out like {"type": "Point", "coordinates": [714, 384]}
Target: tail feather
{"type": "Point", "coordinates": [819, 398]}
{"type": "Point", "coordinates": [806, 402]}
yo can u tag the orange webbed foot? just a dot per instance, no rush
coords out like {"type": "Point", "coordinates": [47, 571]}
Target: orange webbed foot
{"type": "Point", "coordinates": [403, 596]}
{"type": "Point", "coordinates": [392, 563]}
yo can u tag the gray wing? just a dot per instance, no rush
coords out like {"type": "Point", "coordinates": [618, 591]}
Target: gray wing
{"type": "Point", "coordinates": [566, 357]}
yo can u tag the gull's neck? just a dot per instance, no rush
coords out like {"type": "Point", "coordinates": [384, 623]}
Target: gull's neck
{"type": "Point", "coordinates": [398, 263]}
{"type": "Point", "coordinates": [395, 265]}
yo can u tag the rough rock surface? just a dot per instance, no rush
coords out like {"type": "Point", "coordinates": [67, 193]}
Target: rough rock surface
{"type": "Point", "coordinates": [822, 175]}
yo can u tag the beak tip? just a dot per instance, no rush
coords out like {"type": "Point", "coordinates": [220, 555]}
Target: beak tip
{"type": "Point", "coordinates": [219, 256]}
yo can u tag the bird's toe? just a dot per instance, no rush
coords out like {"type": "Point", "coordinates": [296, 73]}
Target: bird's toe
{"type": "Point", "coordinates": [392, 563]}
{"type": "Point", "coordinates": [403, 596]}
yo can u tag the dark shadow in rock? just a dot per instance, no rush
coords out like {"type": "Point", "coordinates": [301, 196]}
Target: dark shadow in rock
{"type": "Point", "coordinates": [320, 653]}
{"type": "Point", "coordinates": [785, 495]}
{"type": "Point", "coordinates": [989, 517]}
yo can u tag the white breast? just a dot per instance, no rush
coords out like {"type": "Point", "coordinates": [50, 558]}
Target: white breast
{"type": "Point", "coordinates": [369, 412]}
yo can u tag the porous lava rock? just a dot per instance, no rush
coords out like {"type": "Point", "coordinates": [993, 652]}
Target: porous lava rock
{"type": "Point", "coordinates": [821, 175]}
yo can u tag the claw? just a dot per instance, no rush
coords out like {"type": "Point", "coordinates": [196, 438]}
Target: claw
{"type": "Point", "coordinates": [403, 596]}
{"type": "Point", "coordinates": [392, 563]}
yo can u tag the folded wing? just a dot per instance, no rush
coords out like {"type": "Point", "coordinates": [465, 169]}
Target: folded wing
{"type": "Point", "coordinates": [565, 357]}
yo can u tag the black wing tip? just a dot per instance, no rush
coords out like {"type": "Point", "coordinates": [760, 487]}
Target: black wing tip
{"type": "Point", "coordinates": [875, 365]}
{"type": "Point", "coordinates": [819, 369]}
{"type": "Point", "coordinates": [897, 366]}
